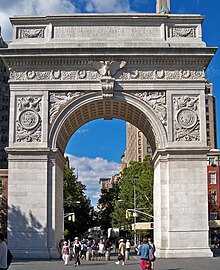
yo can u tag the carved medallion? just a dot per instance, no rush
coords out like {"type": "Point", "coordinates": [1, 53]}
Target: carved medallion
{"type": "Point", "coordinates": [186, 120]}
{"type": "Point", "coordinates": [28, 123]}
{"type": "Point", "coordinates": [29, 119]}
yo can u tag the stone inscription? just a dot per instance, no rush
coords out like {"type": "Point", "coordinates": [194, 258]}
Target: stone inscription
{"type": "Point", "coordinates": [28, 123]}
{"type": "Point", "coordinates": [186, 120]}
{"type": "Point", "coordinates": [106, 32]}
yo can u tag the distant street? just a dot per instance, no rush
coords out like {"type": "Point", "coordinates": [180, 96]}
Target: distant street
{"type": "Point", "coordinates": [132, 264]}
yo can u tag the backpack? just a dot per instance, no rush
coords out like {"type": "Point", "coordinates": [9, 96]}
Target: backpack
{"type": "Point", "coordinates": [152, 258]}
{"type": "Point", "coordinates": [9, 258]}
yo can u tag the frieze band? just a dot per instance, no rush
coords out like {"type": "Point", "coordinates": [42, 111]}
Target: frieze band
{"type": "Point", "coordinates": [127, 74]}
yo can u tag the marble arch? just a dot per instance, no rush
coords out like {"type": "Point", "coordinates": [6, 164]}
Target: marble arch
{"type": "Point", "coordinates": [66, 70]}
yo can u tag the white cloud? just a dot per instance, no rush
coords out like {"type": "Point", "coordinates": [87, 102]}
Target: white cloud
{"type": "Point", "coordinates": [91, 170]}
{"type": "Point", "coordinates": [108, 6]}
{"type": "Point", "coordinates": [82, 130]}
{"type": "Point", "coordinates": [9, 8]}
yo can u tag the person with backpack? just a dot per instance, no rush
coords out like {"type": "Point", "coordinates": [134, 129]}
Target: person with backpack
{"type": "Point", "coordinates": [151, 252]}
{"type": "Point", "coordinates": [143, 252]}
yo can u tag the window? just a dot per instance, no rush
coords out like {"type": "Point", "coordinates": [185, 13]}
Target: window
{"type": "Point", "coordinates": [212, 178]}
{"type": "Point", "coordinates": [211, 160]}
{"type": "Point", "coordinates": [207, 117]}
{"type": "Point", "coordinates": [207, 125]}
{"type": "Point", "coordinates": [206, 101]}
{"type": "Point", "coordinates": [207, 109]}
{"type": "Point", "coordinates": [213, 216]}
{"type": "Point", "coordinates": [213, 197]}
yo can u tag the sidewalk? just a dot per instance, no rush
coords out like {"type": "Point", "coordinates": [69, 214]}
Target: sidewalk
{"type": "Point", "coordinates": [132, 264]}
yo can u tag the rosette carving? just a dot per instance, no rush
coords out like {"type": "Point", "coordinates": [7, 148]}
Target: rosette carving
{"type": "Point", "coordinates": [28, 123]}
{"type": "Point", "coordinates": [186, 120]}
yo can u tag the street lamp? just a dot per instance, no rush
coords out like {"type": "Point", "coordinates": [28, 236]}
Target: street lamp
{"type": "Point", "coordinates": [135, 213]}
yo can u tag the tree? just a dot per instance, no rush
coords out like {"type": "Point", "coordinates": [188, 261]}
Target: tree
{"type": "Point", "coordinates": [74, 192]}
{"type": "Point", "coordinates": [144, 192]}
{"type": "Point", "coordinates": [106, 207]}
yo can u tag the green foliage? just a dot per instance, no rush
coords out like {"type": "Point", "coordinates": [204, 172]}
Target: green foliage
{"type": "Point", "coordinates": [106, 207]}
{"type": "Point", "coordinates": [74, 191]}
{"type": "Point", "coordinates": [144, 192]}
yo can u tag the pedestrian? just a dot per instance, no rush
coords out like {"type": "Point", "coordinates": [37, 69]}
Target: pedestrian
{"type": "Point", "coordinates": [143, 252]}
{"type": "Point", "coordinates": [94, 248]}
{"type": "Point", "coordinates": [65, 253]}
{"type": "Point", "coordinates": [116, 245]}
{"type": "Point", "coordinates": [128, 248]}
{"type": "Point", "coordinates": [3, 253]}
{"type": "Point", "coordinates": [121, 252]}
{"type": "Point", "coordinates": [101, 250]}
{"type": "Point", "coordinates": [83, 249]}
{"type": "Point", "coordinates": [151, 252]}
{"type": "Point", "coordinates": [76, 251]}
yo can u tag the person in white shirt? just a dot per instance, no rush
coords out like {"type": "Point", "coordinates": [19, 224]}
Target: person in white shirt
{"type": "Point", "coordinates": [3, 253]}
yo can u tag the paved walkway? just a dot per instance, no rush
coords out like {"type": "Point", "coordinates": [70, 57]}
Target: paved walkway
{"type": "Point", "coordinates": [132, 264]}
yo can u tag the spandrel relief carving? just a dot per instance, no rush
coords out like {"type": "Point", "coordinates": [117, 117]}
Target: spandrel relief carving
{"type": "Point", "coordinates": [186, 119]}
{"type": "Point", "coordinates": [157, 100]}
{"type": "Point", "coordinates": [59, 100]}
{"type": "Point", "coordinates": [28, 123]}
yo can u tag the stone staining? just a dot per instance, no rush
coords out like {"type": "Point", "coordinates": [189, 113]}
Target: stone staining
{"type": "Point", "coordinates": [59, 100]}
{"type": "Point", "coordinates": [157, 100]}
{"type": "Point", "coordinates": [28, 123]}
{"type": "Point", "coordinates": [186, 120]}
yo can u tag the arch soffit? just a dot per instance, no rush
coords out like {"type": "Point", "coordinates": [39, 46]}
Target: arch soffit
{"type": "Point", "coordinates": [123, 106]}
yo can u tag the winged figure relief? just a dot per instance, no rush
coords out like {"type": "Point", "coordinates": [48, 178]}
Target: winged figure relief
{"type": "Point", "coordinates": [108, 68]}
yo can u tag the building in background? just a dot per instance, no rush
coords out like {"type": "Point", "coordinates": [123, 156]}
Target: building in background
{"type": "Point", "coordinates": [4, 109]}
{"type": "Point", "coordinates": [213, 171]}
{"type": "Point", "coordinates": [107, 183]}
{"type": "Point", "coordinates": [210, 116]}
{"type": "Point", "coordinates": [137, 146]}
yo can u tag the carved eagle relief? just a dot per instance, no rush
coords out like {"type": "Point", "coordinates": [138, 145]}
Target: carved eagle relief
{"type": "Point", "coordinates": [108, 68]}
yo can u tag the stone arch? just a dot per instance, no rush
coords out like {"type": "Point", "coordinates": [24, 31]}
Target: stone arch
{"type": "Point", "coordinates": [92, 106]}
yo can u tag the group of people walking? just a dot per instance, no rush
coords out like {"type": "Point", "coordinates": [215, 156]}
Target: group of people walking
{"type": "Point", "coordinates": [97, 250]}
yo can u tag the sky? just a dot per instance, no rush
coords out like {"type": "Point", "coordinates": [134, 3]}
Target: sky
{"type": "Point", "coordinates": [96, 148]}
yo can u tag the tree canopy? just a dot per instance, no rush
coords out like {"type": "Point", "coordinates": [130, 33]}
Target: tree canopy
{"type": "Point", "coordinates": [143, 171]}
{"type": "Point", "coordinates": [75, 201]}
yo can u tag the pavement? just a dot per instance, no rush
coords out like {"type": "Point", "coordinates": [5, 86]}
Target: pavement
{"type": "Point", "coordinates": [133, 263]}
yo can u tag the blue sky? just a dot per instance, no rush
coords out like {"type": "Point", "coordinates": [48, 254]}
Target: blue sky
{"type": "Point", "coordinates": [95, 149]}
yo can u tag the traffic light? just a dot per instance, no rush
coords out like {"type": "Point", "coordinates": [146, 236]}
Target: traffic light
{"type": "Point", "coordinates": [128, 214]}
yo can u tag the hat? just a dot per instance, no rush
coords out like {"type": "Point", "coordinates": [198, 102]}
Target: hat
{"type": "Point", "coordinates": [121, 240]}
{"type": "Point", "coordinates": [76, 238]}
{"type": "Point", "coordinates": [128, 240]}
{"type": "Point", "coordinates": [65, 242]}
